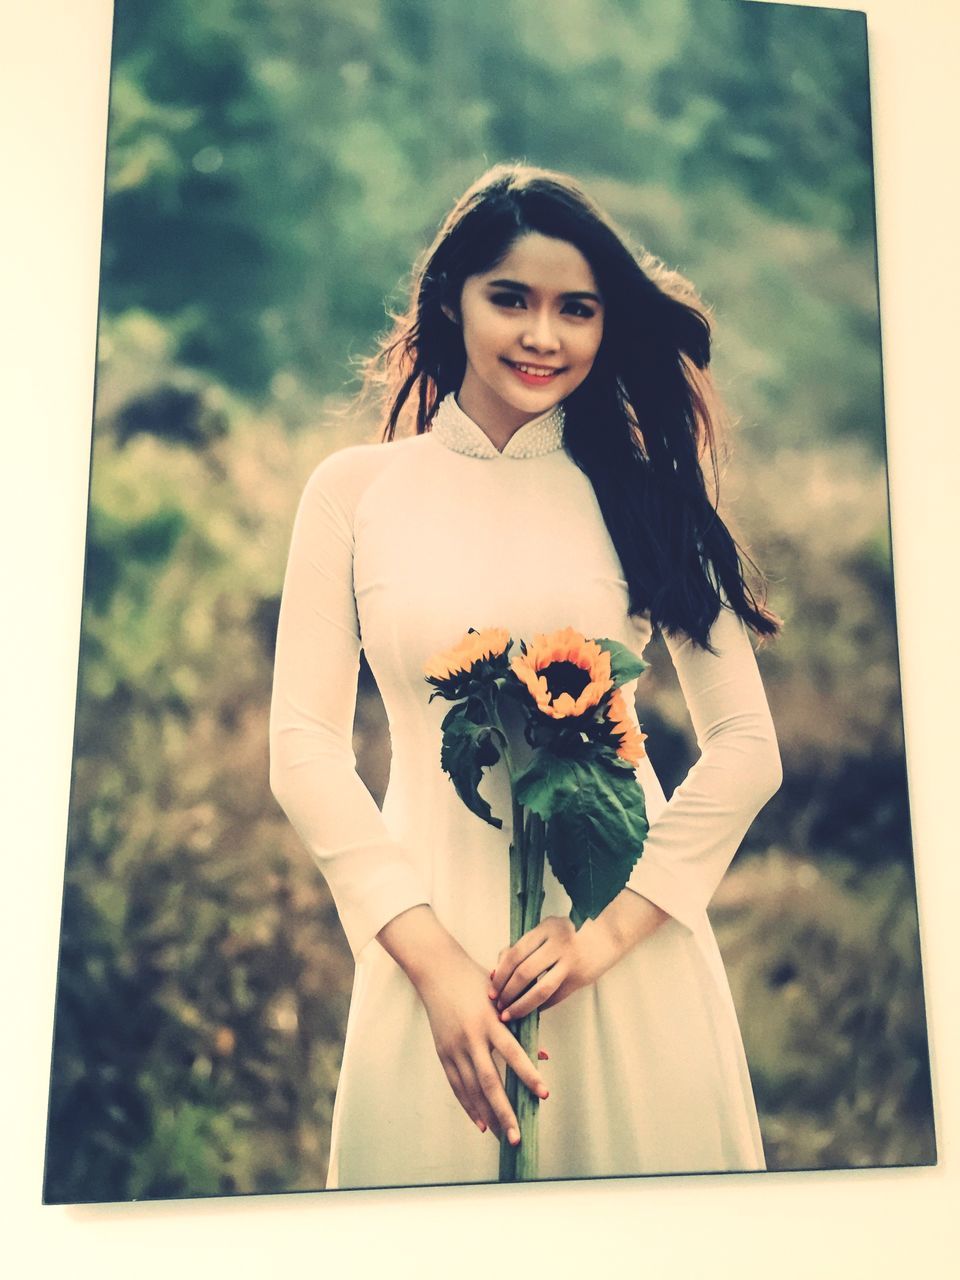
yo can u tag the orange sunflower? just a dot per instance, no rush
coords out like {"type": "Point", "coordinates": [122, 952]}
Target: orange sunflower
{"type": "Point", "coordinates": [565, 673]}
{"type": "Point", "coordinates": [476, 646]}
{"type": "Point", "coordinates": [631, 739]}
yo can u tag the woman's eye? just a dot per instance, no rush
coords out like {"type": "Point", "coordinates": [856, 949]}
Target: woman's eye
{"type": "Point", "coordinates": [517, 302]}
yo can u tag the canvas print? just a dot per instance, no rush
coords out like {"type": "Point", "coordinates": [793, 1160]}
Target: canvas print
{"type": "Point", "coordinates": [489, 756]}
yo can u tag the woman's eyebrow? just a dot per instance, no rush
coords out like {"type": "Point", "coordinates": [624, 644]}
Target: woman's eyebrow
{"type": "Point", "coordinates": [525, 288]}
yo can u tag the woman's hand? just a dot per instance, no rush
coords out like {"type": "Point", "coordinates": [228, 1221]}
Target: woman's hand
{"type": "Point", "coordinates": [467, 1033]}
{"type": "Point", "coordinates": [466, 1029]}
{"type": "Point", "coordinates": [548, 964]}
{"type": "Point", "coordinates": [553, 960]}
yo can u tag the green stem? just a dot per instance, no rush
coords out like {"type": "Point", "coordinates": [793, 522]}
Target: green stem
{"type": "Point", "coordinates": [508, 1154]}
{"type": "Point", "coordinates": [518, 857]}
{"type": "Point", "coordinates": [518, 841]}
{"type": "Point", "coordinates": [527, 849]}
{"type": "Point", "coordinates": [528, 1032]}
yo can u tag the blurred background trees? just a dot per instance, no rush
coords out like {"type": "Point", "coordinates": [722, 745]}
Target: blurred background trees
{"type": "Point", "coordinates": [273, 171]}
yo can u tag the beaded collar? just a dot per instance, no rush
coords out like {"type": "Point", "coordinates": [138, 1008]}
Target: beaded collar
{"type": "Point", "coordinates": [452, 428]}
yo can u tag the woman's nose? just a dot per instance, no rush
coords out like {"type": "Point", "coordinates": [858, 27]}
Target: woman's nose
{"type": "Point", "coordinates": [540, 333]}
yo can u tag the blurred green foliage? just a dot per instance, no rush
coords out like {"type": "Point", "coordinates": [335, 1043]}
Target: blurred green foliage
{"type": "Point", "coordinates": [273, 170]}
{"type": "Point", "coordinates": [824, 957]}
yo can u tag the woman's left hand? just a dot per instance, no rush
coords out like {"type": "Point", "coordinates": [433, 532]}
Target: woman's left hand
{"type": "Point", "coordinates": [551, 962]}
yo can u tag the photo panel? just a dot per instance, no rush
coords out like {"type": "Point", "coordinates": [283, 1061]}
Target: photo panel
{"type": "Point", "coordinates": [273, 173]}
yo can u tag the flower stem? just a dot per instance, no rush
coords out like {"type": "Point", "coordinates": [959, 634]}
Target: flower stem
{"type": "Point", "coordinates": [519, 1164]}
{"type": "Point", "coordinates": [527, 848]}
{"type": "Point", "coordinates": [508, 1154]}
{"type": "Point", "coordinates": [528, 1031]}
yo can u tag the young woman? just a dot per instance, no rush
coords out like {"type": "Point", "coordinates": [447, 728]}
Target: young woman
{"type": "Point", "coordinates": [562, 410]}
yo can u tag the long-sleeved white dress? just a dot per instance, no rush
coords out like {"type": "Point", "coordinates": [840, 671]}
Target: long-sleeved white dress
{"type": "Point", "coordinates": [401, 548]}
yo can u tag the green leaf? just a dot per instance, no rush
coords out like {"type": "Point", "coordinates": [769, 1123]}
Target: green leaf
{"type": "Point", "coordinates": [624, 663]}
{"type": "Point", "coordinates": [596, 835]}
{"type": "Point", "coordinates": [466, 750]}
{"type": "Point", "coordinates": [547, 784]}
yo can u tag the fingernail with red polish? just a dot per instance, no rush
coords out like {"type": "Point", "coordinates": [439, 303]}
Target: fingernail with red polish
{"type": "Point", "coordinates": [543, 1094]}
{"type": "Point", "coordinates": [481, 1126]}
{"type": "Point", "coordinates": [543, 1055]}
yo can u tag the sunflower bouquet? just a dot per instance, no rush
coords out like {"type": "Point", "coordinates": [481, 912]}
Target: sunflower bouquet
{"type": "Point", "coordinates": [576, 800]}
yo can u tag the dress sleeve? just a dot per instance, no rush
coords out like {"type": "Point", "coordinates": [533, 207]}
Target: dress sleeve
{"type": "Point", "coordinates": [691, 845]}
{"type": "Point", "coordinates": [312, 763]}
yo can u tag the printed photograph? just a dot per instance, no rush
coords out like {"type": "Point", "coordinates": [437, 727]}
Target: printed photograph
{"type": "Point", "coordinates": [489, 759]}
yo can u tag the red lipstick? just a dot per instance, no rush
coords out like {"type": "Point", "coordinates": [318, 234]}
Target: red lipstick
{"type": "Point", "coordinates": [533, 375]}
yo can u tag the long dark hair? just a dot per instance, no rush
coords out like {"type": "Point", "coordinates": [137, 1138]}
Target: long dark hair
{"type": "Point", "coordinates": [640, 425]}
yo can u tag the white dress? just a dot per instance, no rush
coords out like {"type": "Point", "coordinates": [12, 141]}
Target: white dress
{"type": "Point", "coordinates": [401, 548]}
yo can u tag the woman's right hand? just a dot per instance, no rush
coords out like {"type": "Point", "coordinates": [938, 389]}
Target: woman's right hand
{"type": "Point", "coordinates": [466, 1027]}
{"type": "Point", "coordinates": [467, 1032]}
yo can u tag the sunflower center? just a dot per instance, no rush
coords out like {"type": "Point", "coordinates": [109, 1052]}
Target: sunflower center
{"type": "Point", "coordinates": [565, 677]}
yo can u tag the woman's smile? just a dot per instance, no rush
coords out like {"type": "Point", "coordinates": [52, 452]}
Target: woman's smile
{"type": "Point", "coordinates": [533, 375]}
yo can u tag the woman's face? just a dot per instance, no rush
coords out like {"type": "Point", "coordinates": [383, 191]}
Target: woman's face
{"type": "Point", "coordinates": [531, 328]}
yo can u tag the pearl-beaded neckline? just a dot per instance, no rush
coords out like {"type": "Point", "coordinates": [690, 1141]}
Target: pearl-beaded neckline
{"type": "Point", "coordinates": [452, 428]}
